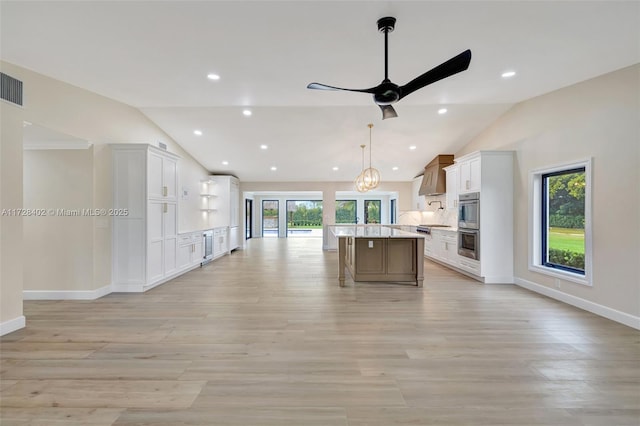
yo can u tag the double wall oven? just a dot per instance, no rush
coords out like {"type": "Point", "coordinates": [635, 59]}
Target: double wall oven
{"type": "Point", "coordinates": [469, 225]}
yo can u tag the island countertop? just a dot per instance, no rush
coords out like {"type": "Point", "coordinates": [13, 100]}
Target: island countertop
{"type": "Point", "coordinates": [372, 231]}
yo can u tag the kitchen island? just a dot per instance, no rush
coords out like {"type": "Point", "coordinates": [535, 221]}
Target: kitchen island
{"type": "Point", "coordinates": [379, 253]}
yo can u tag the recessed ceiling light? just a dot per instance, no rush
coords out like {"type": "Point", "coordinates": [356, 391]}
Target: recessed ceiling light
{"type": "Point", "coordinates": [263, 146]}
{"type": "Point", "coordinates": [225, 163]}
{"type": "Point", "coordinates": [508, 74]}
{"type": "Point", "coordinates": [394, 168]}
{"type": "Point", "coordinates": [197, 132]}
{"type": "Point", "coordinates": [442, 111]}
{"type": "Point", "coordinates": [335, 168]}
{"type": "Point", "coordinates": [412, 147]}
{"type": "Point", "coordinates": [213, 76]}
{"type": "Point", "coordinates": [246, 112]}
{"type": "Point", "coordinates": [274, 168]}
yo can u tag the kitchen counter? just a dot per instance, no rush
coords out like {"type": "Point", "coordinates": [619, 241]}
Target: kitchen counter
{"type": "Point", "coordinates": [371, 231]}
{"type": "Point", "coordinates": [379, 253]}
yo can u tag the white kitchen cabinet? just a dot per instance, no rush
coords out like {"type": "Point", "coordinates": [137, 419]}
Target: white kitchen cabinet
{"type": "Point", "coordinates": [452, 186]}
{"type": "Point", "coordinates": [220, 241]}
{"type": "Point", "coordinates": [190, 250]}
{"type": "Point", "coordinates": [490, 173]}
{"type": "Point", "coordinates": [469, 173]}
{"type": "Point", "coordinates": [445, 246]}
{"type": "Point", "coordinates": [418, 201]}
{"type": "Point", "coordinates": [145, 242]}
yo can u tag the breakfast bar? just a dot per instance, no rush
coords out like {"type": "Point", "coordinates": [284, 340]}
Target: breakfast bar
{"type": "Point", "coordinates": [379, 253]}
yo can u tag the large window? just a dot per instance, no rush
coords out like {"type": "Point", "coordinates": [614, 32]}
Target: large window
{"type": "Point", "coordinates": [346, 211]}
{"type": "Point", "coordinates": [372, 211]}
{"type": "Point", "coordinates": [561, 221]}
{"type": "Point", "coordinates": [304, 218]}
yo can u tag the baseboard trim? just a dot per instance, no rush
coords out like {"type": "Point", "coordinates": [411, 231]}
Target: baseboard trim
{"type": "Point", "coordinates": [12, 325]}
{"type": "Point", "coordinates": [66, 294]}
{"type": "Point", "coordinates": [578, 302]}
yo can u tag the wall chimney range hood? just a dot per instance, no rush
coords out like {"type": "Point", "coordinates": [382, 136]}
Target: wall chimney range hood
{"type": "Point", "coordinates": [434, 180]}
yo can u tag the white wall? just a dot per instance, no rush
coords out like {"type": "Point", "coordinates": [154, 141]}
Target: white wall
{"type": "Point", "coordinates": [598, 118]}
{"type": "Point", "coordinates": [11, 261]}
{"type": "Point", "coordinates": [85, 115]}
{"type": "Point", "coordinates": [61, 246]}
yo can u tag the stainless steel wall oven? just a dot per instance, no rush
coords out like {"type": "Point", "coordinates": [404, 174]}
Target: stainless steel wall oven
{"type": "Point", "coordinates": [469, 225]}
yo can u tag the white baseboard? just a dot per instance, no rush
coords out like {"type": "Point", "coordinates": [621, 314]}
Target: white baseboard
{"type": "Point", "coordinates": [66, 294]}
{"type": "Point", "coordinates": [595, 308]}
{"type": "Point", "coordinates": [12, 325]}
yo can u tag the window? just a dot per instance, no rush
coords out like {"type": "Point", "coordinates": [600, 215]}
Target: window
{"type": "Point", "coordinates": [392, 211]}
{"type": "Point", "coordinates": [372, 211]}
{"type": "Point", "coordinates": [346, 211]}
{"type": "Point", "coordinates": [561, 221]}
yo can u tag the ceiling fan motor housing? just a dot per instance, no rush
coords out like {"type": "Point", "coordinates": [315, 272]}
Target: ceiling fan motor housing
{"type": "Point", "coordinates": [386, 93]}
{"type": "Point", "coordinates": [387, 24]}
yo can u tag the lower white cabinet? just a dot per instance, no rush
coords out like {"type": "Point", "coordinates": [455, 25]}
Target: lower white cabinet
{"type": "Point", "coordinates": [234, 237]}
{"type": "Point", "coordinates": [220, 241]}
{"type": "Point", "coordinates": [442, 246]}
{"type": "Point", "coordinates": [190, 250]}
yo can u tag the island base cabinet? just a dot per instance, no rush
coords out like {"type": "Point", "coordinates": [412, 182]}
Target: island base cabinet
{"type": "Point", "coordinates": [383, 259]}
{"type": "Point", "coordinates": [370, 256]}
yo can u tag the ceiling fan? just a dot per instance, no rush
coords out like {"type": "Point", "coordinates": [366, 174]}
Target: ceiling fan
{"type": "Point", "coordinates": [387, 93]}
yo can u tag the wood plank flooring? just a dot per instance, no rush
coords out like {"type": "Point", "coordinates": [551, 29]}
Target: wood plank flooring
{"type": "Point", "coordinates": [267, 337]}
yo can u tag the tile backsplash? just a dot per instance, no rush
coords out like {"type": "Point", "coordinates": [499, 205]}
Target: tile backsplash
{"type": "Point", "coordinates": [432, 214]}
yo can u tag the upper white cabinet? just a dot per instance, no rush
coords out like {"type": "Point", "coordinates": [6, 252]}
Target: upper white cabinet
{"type": "Point", "coordinates": [145, 241]}
{"type": "Point", "coordinates": [469, 173]}
{"type": "Point", "coordinates": [452, 186]}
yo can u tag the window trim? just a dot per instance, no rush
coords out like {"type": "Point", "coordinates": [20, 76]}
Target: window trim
{"type": "Point", "coordinates": [536, 220]}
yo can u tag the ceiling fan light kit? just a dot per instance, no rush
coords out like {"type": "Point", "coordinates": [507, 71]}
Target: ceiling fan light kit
{"type": "Point", "coordinates": [387, 93]}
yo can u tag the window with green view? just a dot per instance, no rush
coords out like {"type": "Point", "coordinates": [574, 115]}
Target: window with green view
{"type": "Point", "coordinates": [563, 220]}
{"type": "Point", "coordinates": [346, 211]}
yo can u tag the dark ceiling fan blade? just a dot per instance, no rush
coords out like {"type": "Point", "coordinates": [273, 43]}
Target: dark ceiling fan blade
{"type": "Point", "coordinates": [388, 111]}
{"type": "Point", "coordinates": [453, 66]}
{"type": "Point", "coordinates": [320, 86]}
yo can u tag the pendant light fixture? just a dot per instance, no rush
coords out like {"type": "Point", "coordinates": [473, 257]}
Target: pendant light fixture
{"type": "Point", "coordinates": [360, 186]}
{"type": "Point", "coordinates": [370, 176]}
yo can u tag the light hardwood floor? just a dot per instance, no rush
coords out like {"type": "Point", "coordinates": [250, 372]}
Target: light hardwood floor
{"type": "Point", "coordinates": [267, 337]}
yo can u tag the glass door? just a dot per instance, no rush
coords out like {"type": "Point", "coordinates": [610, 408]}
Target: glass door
{"type": "Point", "coordinates": [372, 211]}
{"type": "Point", "coordinates": [248, 220]}
{"type": "Point", "coordinates": [270, 218]}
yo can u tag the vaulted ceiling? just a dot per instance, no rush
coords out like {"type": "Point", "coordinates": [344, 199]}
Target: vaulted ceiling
{"type": "Point", "coordinates": [156, 56]}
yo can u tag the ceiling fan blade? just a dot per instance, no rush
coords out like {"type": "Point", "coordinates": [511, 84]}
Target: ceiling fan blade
{"type": "Point", "coordinates": [453, 66]}
{"type": "Point", "coordinates": [388, 111]}
{"type": "Point", "coordinates": [320, 86]}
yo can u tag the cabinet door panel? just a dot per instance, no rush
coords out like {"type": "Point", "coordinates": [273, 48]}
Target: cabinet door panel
{"type": "Point", "coordinates": [170, 224]}
{"type": "Point", "coordinates": [370, 258]}
{"type": "Point", "coordinates": [154, 221]}
{"type": "Point", "coordinates": [196, 255]}
{"type": "Point", "coordinates": [169, 173]}
{"type": "Point", "coordinates": [170, 255]}
{"type": "Point", "coordinates": [183, 257]}
{"type": "Point", "coordinates": [154, 176]}
{"type": "Point", "coordinates": [154, 261]}
{"type": "Point", "coordinates": [401, 256]}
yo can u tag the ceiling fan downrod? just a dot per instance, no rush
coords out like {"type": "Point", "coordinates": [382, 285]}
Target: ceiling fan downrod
{"type": "Point", "coordinates": [386, 25]}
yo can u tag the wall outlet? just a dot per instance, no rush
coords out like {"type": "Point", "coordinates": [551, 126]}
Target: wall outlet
{"type": "Point", "coordinates": [370, 244]}
{"type": "Point", "coordinates": [557, 283]}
